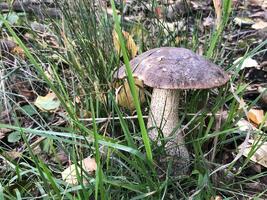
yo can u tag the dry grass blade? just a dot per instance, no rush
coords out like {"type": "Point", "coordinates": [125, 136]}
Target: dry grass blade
{"type": "Point", "coordinates": [218, 11]}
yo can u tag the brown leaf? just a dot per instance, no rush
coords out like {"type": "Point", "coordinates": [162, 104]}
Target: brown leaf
{"type": "Point", "coordinates": [243, 21]}
{"type": "Point", "coordinates": [255, 116]}
{"type": "Point", "coordinates": [130, 44]}
{"type": "Point", "coordinates": [11, 47]}
{"type": "Point", "coordinates": [260, 155]}
{"type": "Point", "coordinates": [69, 175]}
{"type": "Point", "coordinates": [18, 51]}
{"type": "Point", "coordinates": [124, 97]}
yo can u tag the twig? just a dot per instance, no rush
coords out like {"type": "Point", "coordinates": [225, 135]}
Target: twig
{"type": "Point", "coordinates": [215, 141]}
{"type": "Point", "coordinates": [104, 119]}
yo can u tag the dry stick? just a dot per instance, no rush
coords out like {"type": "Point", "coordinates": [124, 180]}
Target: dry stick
{"type": "Point", "coordinates": [215, 141]}
{"type": "Point", "coordinates": [2, 88]}
{"type": "Point", "coordinates": [104, 119]}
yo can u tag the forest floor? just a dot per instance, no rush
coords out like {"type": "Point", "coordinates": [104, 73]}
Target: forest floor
{"type": "Point", "coordinates": [69, 130]}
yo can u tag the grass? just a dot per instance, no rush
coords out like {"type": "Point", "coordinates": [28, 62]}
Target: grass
{"type": "Point", "coordinates": [123, 152]}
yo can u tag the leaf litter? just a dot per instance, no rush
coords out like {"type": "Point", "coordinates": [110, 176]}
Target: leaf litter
{"type": "Point", "coordinates": [250, 25]}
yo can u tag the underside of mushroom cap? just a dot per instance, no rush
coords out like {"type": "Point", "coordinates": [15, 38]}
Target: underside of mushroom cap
{"type": "Point", "coordinates": [175, 68]}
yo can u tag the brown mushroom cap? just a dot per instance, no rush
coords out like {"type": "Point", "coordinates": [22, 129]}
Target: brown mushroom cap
{"type": "Point", "coordinates": [175, 68]}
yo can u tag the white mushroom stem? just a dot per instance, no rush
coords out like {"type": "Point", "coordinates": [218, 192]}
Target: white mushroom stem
{"type": "Point", "coordinates": [164, 116]}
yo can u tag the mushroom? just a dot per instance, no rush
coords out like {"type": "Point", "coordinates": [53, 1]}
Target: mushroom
{"type": "Point", "coordinates": [168, 70]}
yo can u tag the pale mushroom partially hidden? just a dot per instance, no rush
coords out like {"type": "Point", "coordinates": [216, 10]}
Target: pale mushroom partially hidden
{"type": "Point", "coordinates": [169, 70]}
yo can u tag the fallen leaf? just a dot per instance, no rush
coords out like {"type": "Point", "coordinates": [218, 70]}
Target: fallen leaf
{"type": "Point", "coordinates": [124, 97]}
{"type": "Point", "coordinates": [18, 51]}
{"type": "Point", "coordinates": [255, 116]}
{"type": "Point", "coordinates": [130, 44]}
{"type": "Point", "coordinates": [243, 125]}
{"type": "Point", "coordinates": [47, 103]}
{"type": "Point", "coordinates": [260, 24]}
{"type": "Point", "coordinates": [70, 176]}
{"type": "Point", "coordinates": [260, 155]}
{"type": "Point", "coordinates": [243, 21]}
{"type": "Point", "coordinates": [246, 63]}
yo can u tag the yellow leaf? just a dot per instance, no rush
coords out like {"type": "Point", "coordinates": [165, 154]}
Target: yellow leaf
{"type": "Point", "coordinates": [18, 51]}
{"type": "Point", "coordinates": [124, 97]}
{"type": "Point", "coordinates": [241, 21]}
{"type": "Point", "coordinates": [255, 116]}
{"type": "Point", "coordinates": [70, 175]}
{"type": "Point", "coordinates": [48, 103]}
{"type": "Point", "coordinates": [260, 155]}
{"type": "Point", "coordinates": [130, 44]}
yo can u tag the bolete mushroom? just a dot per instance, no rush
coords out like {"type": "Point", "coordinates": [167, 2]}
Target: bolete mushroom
{"type": "Point", "coordinates": [168, 70]}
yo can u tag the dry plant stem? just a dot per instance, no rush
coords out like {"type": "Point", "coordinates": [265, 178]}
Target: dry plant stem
{"type": "Point", "coordinates": [164, 115]}
{"type": "Point", "coordinates": [104, 119]}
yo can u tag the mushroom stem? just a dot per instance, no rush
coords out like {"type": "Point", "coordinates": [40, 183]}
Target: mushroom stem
{"type": "Point", "coordinates": [164, 115]}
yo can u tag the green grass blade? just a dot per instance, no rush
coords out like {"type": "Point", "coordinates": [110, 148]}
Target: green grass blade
{"type": "Point", "coordinates": [99, 173]}
{"type": "Point", "coordinates": [132, 86]}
